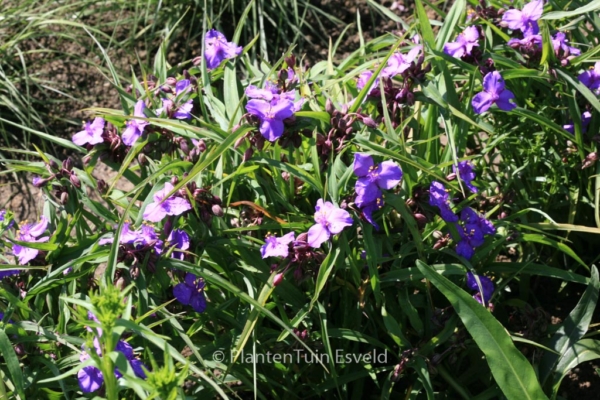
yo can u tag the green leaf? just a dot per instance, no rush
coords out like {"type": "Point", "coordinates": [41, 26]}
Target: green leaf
{"type": "Point", "coordinates": [582, 351]}
{"type": "Point", "coordinates": [573, 328]}
{"type": "Point", "coordinates": [510, 369]}
{"type": "Point", "coordinates": [425, 25]}
{"type": "Point", "coordinates": [12, 362]}
{"type": "Point", "coordinates": [324, 272]}
{"type": "Point", "coordinates": [593, 6]}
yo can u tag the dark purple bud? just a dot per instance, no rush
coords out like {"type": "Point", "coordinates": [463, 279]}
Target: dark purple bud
{"type": "Point", "coordinates": [201, 145]}
{"type": "Point", "coordinates": [303, 237]}
{"type": "Point", "coordinates": [197, 61]}
{"type": "Point", "coordinates": [248, 154]}
{"type": "Point", "coordinates": [184, 147]}
{"type": "Point", "coordinates": [171, 81]}
{"type": "Point", "coordinates": [216, 200]}
{"type": "Point", "coordinates": [174, 180]}
{"type": "Point", "coordinates": [86, 160]}
{"type": "Point", "coordinates": [590, 160]}
{"type": "Point", "coordinates": [53, 165]}
{"type": "Point", "coordinates": [368, 121]}
{"type": "Point", "coordinates": [290, 61]}
{"type": "Point", "coordinates": [75, 180]}
{"type": "Point", "coordinates": [39, 182]}
{"type": "Point", "coordinates": [68, 164]}
{"type": "Point", "coordinates": [166, 89]}
{"type": "Point", "coordinates": [101, 185]}
{"type": "Point", "coordinates": [421, 219]}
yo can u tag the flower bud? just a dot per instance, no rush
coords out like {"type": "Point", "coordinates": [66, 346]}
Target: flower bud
{"type": "Point", "coordinates": [278, 279]}
{"type": "Point", "coordinates": [75, 180]}
{"type": "Point", "coordinates": [174, 180]}
{"type": "Point", "coordinates": [248, 154]}
{"type": "Point", "coordinates": [329, 106]}
{"type": "Point", "coordinates": [68, 164]}
{"type": "Point", "coordinates": [101, 185]}
{"type": "Point", "coordinates": [217, 210]}
{"type": "Point", "coordinates": [238, 142]}
{"type": "Point", "coordinates": [171, 81]}
{"type": "Point", "coordinates": [216, 200]}
{"type": "Point", "coordinates": [368, 121]}
{"type": "Point", "coordinates": [437, 234]}
{"type": "Point", "coordinates": [184, 147]}
{"type": "Point", "coordinates": [451, 177]}
{"type": "Point", "coordinates": [197, 61]}
{"type": "Point", "coordinates": [142, 160]}
{"type": "Point", "coordinates": [201, 145]}
{"type": "Point", "coordinates": [303, 237]}
{"type": "Point", "coordinates": [420, 218]}
{"type": "Point", "coordinates": [64, 198]}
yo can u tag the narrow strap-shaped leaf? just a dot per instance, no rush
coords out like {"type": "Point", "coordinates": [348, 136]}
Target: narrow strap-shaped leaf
{"type": "Point", "coordinates": [511, 370]}
{"type": "Point", "coordinates": [573, 328]}
{"type": "Point", "coordinates": [12, 362]}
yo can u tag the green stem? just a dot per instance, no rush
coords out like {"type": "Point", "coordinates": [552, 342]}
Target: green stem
{"type": "Point", "coordinates": [108, 369]}
{"type": "Point", "coordinates": [455, 385]}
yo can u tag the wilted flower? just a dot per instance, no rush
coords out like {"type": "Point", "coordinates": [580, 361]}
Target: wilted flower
{"type": "Point", "coordinates": [159, 209]}
{"type": "Point", "coordinates": [591, 77]}
{"type": "Point", "coordinates": [218, 49]}
{"type": "Point", "coordinates": [493, 92]}
{"type": "Point", "coordinates": [277, 247]}
{"type": "Point", "coordinates": [330, 220]}
{"type": "Point", "coordinates": [466, 173]}
{"type": "Point", "coordinates": [398, 62]}
{"type": "Point", "coordinates": [525, 20]}
{"type": "Point", "coordinates": [135, 127]}
{"type": "Point", "coordinates": [464, 43]}
{"type": "Point", "coordinates": [487, 287]}
{"type": "Point", "coordinates": [30, 233]}
{"type": "Point", "coordinates": [92, 133]}
{"type": "Point", "coordinates": [191, 292]}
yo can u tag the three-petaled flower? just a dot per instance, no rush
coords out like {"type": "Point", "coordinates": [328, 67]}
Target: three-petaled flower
{"type": "Point", "coordinates": [217, 49]}
{"type": "Point", "coordinates": [271, 115]}
{"type": "Point", "coordinates": [277, 246]}
{"type": "Point", "coordinates": [135, 127]}
{"type": "Point", "coordinates": [591, 77]}
{"type": "Point", "coordinates": [161, 207]}
{"type": "Point", "coordinates": [191, 292]}
{"type": "Point", "coordinates": [330, 220]}
{"type": "Point", "coordinates": [183, 111]}
{"type": "Point", "coordinates": [30, 233]}
{"type": "Point", "coordinates": [487, 287]}
{"type": "Point", "coordinates": [526, 19]}
{"type": "Point", "coordinates": [398, 62]}
{"type": "Point", "coordinates": [92, 133]}
{"type": "Point", "coordinates": [494, 92]}
{"type": "Point", "coordinates": [464, 43]}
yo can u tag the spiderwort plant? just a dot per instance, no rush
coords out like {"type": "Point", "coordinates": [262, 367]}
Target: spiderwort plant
{"type": "Point", "coordinates": [464, 44]}
{"type": "Point", "coordinates": [494, 92]}
{"type": "Point", "coordinates": [330, 220]}
{"type": "Point", "coordinates": [30, 233]}
{"type": "Point", "coordinates": [218, 49]}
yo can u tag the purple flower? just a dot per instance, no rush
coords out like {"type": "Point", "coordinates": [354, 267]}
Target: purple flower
{"type": "Point", "coordinates": [398, 62]}
{"type": "Point", "coordinates": [464, 43]}
{"type": "Point", "coordinates": [135, 127]}
{"type": "Point", "coordinates": [218, 49]}
{"type": "Point", "coordinates": [30, 233]}
{"type": "Point", "coordinates": [181, 240]}
{"type": "Point", "coordinates": [369, 208]}
{"type": "Point", "coordinates": [90, 379]}
{"type": "Point", "coordinates": [160, 208]}
{"type": "Point", "coordinates": [466, 174]}
{"type": "Point", "coordinates": [591, 77]}
{"type": "Point", "coordinates": [271, 116]}
{"type": "Point", "coordinates": [3, 214]}
{"type": "Point", "coordinates": [525, 20]}
{"type": "Point", "coordinates": [586, 118]}
{"type": "Point", "coordinates": [277, 247]}
{"type": "Point", "coordinates": [92, 133]}
{"type": "Point", "coordinates": [191, 292]}
{"type": "Point", "coordinates": [184, 111]}
{"type": "Point", "coordinates": [372, 178]}
{"type": "Point", "coordinates": [363, 79]}
{"type": "Point", "coordinates": [559, 42]}
{"type": "Point", "coordinates": [330, 220]}
{"type": "Point", "coordinates": [8, 272]}
{"type": "Point", "coordinates": [438, 197]}
{"type": "Point", "coordinates": [487, 287]}
{"type": "Point", "coordinates": [474, 221]}
{"type": "Point", "coordinates": [493, 92]}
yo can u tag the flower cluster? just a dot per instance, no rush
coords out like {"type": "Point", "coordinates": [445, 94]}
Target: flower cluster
{"type": "Point", "coordinates": [439, 197]}
{"type": "Point", "coordinates": [191, 292]}
{"type": "Point", "coordinates": [371, 180]}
